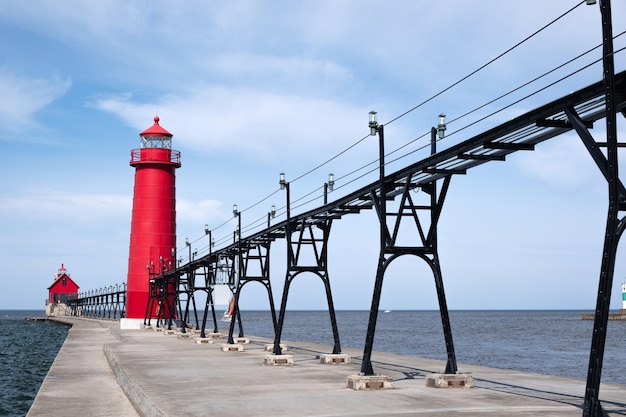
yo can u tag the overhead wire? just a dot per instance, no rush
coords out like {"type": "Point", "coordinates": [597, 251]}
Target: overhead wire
{"type": "Point", "coordinates": [484, 65]}
{"type": "Point", "coordinates": [427, 134]}
{"type": "Point", "coordinates": [440, 93]}
{"type": "Point", "coordinates": [503, 96]}
{"type": "Point", "coordinates": [464, 78]}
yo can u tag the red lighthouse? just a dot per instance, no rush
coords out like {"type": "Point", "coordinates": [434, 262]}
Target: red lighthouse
{"type": "Point", "coordinates": [153, 223]}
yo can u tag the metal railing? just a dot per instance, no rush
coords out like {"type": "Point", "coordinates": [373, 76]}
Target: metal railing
{"type": "Point", "coordinates": [106, 302]}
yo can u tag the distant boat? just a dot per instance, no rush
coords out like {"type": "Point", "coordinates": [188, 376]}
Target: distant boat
{"type": "Point", "coordinates": [387, 311]}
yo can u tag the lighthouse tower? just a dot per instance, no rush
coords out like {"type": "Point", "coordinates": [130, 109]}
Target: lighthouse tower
{"type": "Point", "coordinates": [153, 223]}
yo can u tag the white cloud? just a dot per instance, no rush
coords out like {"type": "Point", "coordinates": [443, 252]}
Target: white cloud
{"type": "Point", "coordinates": [243, 120]}
{"type": "Point", "coordinates": [23, 96]}
{"type": "Point", "coordinates": [196, 212]}
{"type": "Point", "coordinates": [62, 206]}
{"type": "Point", "coordinates": [250, 89]}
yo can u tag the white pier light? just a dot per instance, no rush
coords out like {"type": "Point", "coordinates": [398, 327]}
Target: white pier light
{"type": "Point", "coordinates": [273, 211]}
{"type": "Point", "coordinates": [281, 181]}
{"type": "Point", "coordinates": [235, 211]}
{"type": "Point", "coordinates": [331, 181]}
{"type": "Point", "coordinates": [373, 123]}
{"type": "Point", "coordinates": [441, 127]}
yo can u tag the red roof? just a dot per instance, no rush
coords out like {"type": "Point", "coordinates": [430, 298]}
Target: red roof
{"type": "Point", "coordinates": [62, 272]}
{"type": "Point", "coordinates": [155, 130]}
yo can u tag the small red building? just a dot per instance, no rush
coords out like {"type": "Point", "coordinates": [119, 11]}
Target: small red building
{"type": "Point", "coordinates": [63, 287]}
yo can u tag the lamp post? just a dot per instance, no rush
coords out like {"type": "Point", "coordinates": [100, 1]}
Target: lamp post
{"type": "Point", "coordinates": [271, 214]}
{"type": "Point", "coordinates": [328, 186]}
{"type": "Point", "coordinates": [208, 233]}
{"type": "Point", "coordinates": [188, 244]}
{"type": "Point", "coordinates": [284, 185]}
{"type": "Point", "coordinates": [237, 213]}
{"type": "Point", "coordinates": [374, 129]}
{"type": "Point", "coordinates": [441, 132]}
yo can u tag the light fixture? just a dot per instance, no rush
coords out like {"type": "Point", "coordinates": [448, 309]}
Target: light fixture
{"type": "Point", "coordinates": [373, 124]}
{"type": "Point", "coordinates": [206, 229]}
{"type": "Point", "coordinates": [281, 181]}
{"type": "Point", "coordinates": [187, 241]}
{"type": "Point", "coordinates": [212, 242]}
{"type": "Point", "coordinates": [331, 181]}
{"type": "Point", "coordinates": [273, 211]}
{"type": "Point", "coordinates": [235, 212]}
{"type": "Point", "coordinates": [591, 2]}
{"type": "Point", "coordinates": [441, 127]}
{"type": "Point", "coordinates": [173, 252]}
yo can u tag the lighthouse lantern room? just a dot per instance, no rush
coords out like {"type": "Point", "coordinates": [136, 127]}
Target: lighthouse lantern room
{"type": "Point", "coordinates": [153, 221]}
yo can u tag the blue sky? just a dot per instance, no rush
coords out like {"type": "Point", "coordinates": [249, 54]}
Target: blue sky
{"type": "Point", "coordinates": [252, 89]}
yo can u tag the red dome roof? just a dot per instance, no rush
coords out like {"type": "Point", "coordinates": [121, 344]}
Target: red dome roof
{"type": "Point", "coordinates": [155, 130]}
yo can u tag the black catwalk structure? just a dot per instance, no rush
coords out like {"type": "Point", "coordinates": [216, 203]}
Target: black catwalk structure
{"type": "Point", "coordinates": [398, 207]}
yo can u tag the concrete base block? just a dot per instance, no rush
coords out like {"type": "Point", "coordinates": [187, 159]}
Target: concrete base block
{"type": "Point", "coordinates": [242, 340]}
{"type": "Point", "coordinates": [183, 335]}
{"type": "Point", "coordinates": [335, 358]}
{"type": "Point", "coordinates": [130, 324]}
{"type": "Point", "coordinates": [146, 326]}
{"type": "Point", "coordinates": [214, 335]}
{"type": "Point", "coordinates": [157, 329]}
{"type": "Point", "coordinates": [369, 382]}
{"type": "Point", "coordinates": [204, 340]}
{"type": "Point", "coordinates": [449, 381]}
{"type": "Point", "coordinates": [279, 360]}
{"type": "Point", "coordinates": [235, 347]}
{"type": "Point", "coordinates": [165, 331]}
{"type": "Point", "coordinates": [270, 347]}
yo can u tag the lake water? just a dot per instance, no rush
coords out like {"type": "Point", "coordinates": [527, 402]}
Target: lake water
{"type": "Point", "coordinates": [547, 342]}
{"type": "Point", "coordinates": [27, 349]}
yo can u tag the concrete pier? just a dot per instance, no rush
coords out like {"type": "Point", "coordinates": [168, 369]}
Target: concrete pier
{"type": "Point", "coordinates": [103, 371]}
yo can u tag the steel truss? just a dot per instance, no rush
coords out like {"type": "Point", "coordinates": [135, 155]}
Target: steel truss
{"type": "Point", "coordinates": [308, 253]}
{"type": "Point", "coordinates": [577, 111]}
{"type": "Point", "coordinates": [253, 259]}
{"type": "Point", "coordinates": [425, 248]}
{"type": "Point", "coordinates": [209, 272]}
{"type": "Point", "coordinates": [162, 299]}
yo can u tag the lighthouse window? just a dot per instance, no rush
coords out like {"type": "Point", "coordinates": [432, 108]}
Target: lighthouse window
{"type": "Point", "coordinates": [64, 281]}
{"type": "Point", "coordinates": [156, 142]}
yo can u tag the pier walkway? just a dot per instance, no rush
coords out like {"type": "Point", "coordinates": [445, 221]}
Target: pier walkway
{"type": "Point", "coordinates": [104, 371]}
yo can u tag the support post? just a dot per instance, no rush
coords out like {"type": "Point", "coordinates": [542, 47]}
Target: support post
{"type": "Point", "coordinates": [591, 405]}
